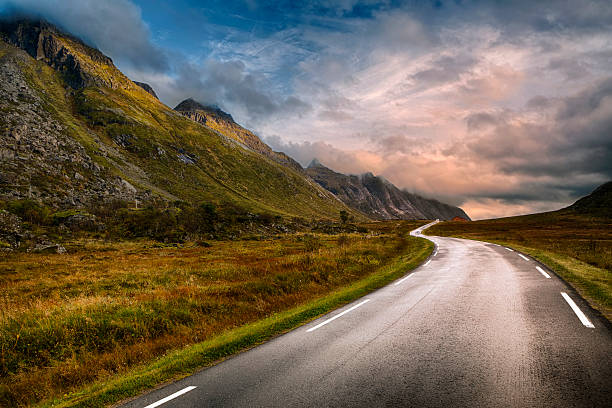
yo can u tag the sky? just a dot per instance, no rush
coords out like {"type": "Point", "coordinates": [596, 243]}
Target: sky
{"type": "Point", "coordinates": [500, 107]}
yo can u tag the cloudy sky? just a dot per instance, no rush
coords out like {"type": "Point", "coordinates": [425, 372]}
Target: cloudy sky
{"type": "Point", "coordinates": [501, 107]}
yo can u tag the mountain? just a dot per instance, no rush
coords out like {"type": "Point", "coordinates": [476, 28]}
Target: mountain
{"type": "Point", "coordinates": [598, 203]}
{"type": "Point", "coordinates": [219, 121]}
{"type": "Point", "coordinates": [378, 198]}
{"type": "Point", "coordinates": [75, 131]}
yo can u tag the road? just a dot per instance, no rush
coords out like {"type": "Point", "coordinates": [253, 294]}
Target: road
{"type": "Point", "coordinates": [476, 325]}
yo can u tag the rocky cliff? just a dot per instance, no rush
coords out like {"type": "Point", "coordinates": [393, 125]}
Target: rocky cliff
{"type": "Point", "coordinates": [378, 198]}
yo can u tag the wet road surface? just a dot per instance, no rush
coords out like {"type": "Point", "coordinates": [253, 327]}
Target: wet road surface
{"type": "Point", "coordinates": [477, 325]}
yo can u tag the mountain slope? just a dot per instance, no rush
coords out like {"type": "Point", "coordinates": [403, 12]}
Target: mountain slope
{"type": "Point", "coordinates": [378, 198]}
{"type": "Point", "coordinates": [217, 120]}
{"type": "Point", "coordinates": [74, 131]}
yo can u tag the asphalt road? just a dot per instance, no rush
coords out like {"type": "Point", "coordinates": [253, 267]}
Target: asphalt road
{"type": "Point", "coordinates": [477, 325]}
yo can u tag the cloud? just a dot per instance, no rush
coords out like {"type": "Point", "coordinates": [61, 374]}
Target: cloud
{"type": "Point", "coordinates": [114, 26]}
{"type": "Point", "coordinates": [571, 136]}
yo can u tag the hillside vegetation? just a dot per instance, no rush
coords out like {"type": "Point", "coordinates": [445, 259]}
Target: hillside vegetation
{"type": "Point", "coordinates": [575, 242]}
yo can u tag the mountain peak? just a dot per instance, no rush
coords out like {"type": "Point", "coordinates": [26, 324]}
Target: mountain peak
{"type": "Point", "coordinates": [191, 105]}
{"type": "Point", "coordinates": [315, 163]}
{"type": "Point", "coordinates": [148, 88]}
{"type": "Point", "coordinates": [80, 64]}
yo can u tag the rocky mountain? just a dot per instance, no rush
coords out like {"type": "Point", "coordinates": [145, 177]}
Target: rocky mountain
{"type": "Point", "coordinates": [219, 121]}
{"type": "Point", "coordinates": [74, 130]}
{"type": "Point", "coordinates": [378, 198]}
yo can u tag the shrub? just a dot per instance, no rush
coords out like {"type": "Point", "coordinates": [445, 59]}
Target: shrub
{"type": "Point", "coordinates": [29, 211]}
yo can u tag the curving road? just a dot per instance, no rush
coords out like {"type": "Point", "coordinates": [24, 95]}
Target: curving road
{"type": "Point", "coordinates": [476, 325]}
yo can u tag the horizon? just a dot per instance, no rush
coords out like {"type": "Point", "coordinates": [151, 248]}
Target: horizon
{"type": "Point", "coordinates": [501, 110]}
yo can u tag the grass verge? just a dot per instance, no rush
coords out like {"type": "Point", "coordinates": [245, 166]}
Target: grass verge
{"type": "Point", "coordinates": [183, 362]}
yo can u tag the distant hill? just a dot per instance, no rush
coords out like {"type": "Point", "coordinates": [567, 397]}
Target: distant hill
{"type": "Point", "coordinates": [378, 198]}
{"type": "Point", "coordinates": [74, 130]}
{"type": "Point", "coordinates": [599, 202]}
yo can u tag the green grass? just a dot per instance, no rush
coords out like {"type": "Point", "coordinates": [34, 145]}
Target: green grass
{"type": "Point", "coordinates": [575, 246]}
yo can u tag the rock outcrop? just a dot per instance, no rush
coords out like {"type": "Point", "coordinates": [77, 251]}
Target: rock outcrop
{"type": "Point", "coordinates": [378, 198]}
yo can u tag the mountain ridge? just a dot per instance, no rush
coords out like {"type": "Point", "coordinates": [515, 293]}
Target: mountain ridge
{"type": "Point", "coordinates": [76, 131]}
{"type": "Point", "coordinates": [379, 198]}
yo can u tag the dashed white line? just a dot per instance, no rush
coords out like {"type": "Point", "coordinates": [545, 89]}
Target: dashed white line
{"type": "Point", "coordinates": [511, 250]}
{"type": "Point", "coordinates": [543, 272]}
{"type": "Point", "coordinates": [523, 256]}
{"type": "Point", "coordinates": [337, 316]}
{"type": "Point", "coordinates": [583, 319]}
{"type": "Point", "coordinates": [427, 263]}
{"type": "Point", "coordinates": [171, 397]}
{"type": "Point", "coordinates": [401, 280]}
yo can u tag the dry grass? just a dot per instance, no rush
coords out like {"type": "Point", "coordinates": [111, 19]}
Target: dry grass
{"type": "Point", "coordinates": [69, 320]}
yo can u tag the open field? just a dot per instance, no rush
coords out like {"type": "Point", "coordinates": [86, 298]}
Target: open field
{"type": "Point", "coordinates": [104, 308]}
{"type": "Point", "coordinates": [577, 247]}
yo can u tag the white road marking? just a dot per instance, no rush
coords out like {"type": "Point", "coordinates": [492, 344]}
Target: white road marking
{"type": "Point", "coordinates": [583, 319]}
{"type": "Point", "coordinates": [511, 250]}
{"type": "Point", "coordinates": [337, 316]}
{"type": "Point", "coordinates": [401, 280]}
{"type": "Point", "coordinates": [543, 272]}
{"type": "Point", "coordinates": [435, 253]}
{"type": "Point", "coordinates": [427, 263]}
{"type": "Point", "coordinates": [523, 256]}
{"type": "Point", "coordinates": [171, 397]}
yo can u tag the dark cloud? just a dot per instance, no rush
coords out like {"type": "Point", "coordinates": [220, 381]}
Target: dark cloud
{"type": "Point", "coordinates": [571, 68]}
{"type": "Point", "coordinates": [229, 85]}
{"type": "Point", "coordinates": [574, 140]}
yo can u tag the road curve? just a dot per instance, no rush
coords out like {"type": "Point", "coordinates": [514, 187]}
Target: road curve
{"type": "Point", "coordinates": [477, 325]}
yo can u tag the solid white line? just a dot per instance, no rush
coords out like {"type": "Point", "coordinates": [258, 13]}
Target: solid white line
{"type": "Point", "coordinates": [435, 253]}
{"type": "Point", "coordinates": [171, 397]}
{"type": "Point", "coordinates": [523, 256]}
{"type": "Point", "coordinates": [401, 280]}
{"type": "Point", "coordinates": [511, 250]}
{"type": "Point", "coordinates": [577, 310]}
{"type": "Point", "coordinates": [337, 316]}
{"type": "Point", "coordinates": [427, 263]}
{"type": "Point", "coordinates": [543, 272]}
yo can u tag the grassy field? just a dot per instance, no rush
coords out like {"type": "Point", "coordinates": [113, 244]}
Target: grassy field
{"type": "Point", "coordinates": [577, 247]}
{"type": "Point", "coordinates": [106, 309]}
